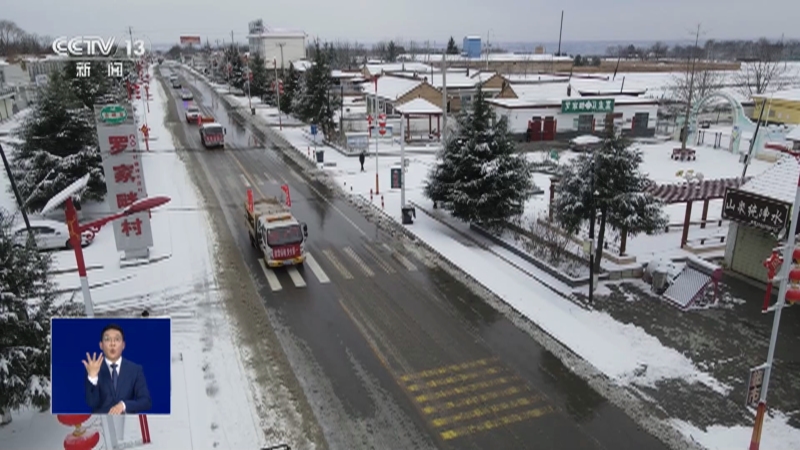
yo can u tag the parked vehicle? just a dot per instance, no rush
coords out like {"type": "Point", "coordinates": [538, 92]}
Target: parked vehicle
{"type": "Point", "coordinates": [275, 232]}
{"type": "Point", "coordinates": [49, 235]}
{"type": "Point", "coordinates": [212, 135]}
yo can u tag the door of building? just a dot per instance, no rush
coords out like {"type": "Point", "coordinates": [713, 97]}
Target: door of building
{"type": "Point", "coordinates": [535, 129]}
{"type": "Point", "coordinates": [549, 129]}
{"type": "Point", "coordinates": [752, 247]}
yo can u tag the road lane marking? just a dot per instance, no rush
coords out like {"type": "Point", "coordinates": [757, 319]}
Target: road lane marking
{"type": "Point", "coordinates": [474, 400]}
{"type": "Point", "coordinates": [384, 265]}
{"type": "Point", "coordinates": [269, 178]}
{"type": "Point", "coordinates": [297, 279]}
{"type": "Point", "coordinates": [272, 278]}
{"type": "Point", "coordinates": [312, 264]}
{"type": "Point", "coordinates": [439, 371]}
{"type": "Point", "coordinates": [483, 411]}
{"type": "Point", "coordinates": [336, 263]}
{"type": "Point", "coordinates": [462, 390]}
{"type": "Point", "coordinates": [403, 260]}
{"type": "Point", "coordinates": [496, 423]}
{"type": "Point", "coordinates": [349, 251]}
{"type": "Point", "coordinates": [435, 383]}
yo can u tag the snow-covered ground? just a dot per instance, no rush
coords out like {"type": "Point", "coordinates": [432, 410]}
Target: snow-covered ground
{"type": "Point", "coordinates": [620, 351]}
{"type": "Point", "coordinates": [213, 398]}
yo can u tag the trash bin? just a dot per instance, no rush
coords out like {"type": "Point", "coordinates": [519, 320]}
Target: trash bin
{"type": "Point", "coordinates": [253, 111]}
{"type": "Point", "coordinates": [409, 214]}
{"type": "Point", "coordinates": [320, 156]}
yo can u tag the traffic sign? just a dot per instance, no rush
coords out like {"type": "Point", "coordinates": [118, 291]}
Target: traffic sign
{"type": "Point", "coordinates": [313, 129]}
{"type": "Point", "coordinates": [754, 385]}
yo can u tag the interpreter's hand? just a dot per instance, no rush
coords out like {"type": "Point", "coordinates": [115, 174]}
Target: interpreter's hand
{"type": "Point", "coordinates": [93, 364]}
{"type": "Point", "coordinates": [117, 409]}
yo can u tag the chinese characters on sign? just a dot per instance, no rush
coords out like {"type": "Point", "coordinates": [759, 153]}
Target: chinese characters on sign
{"type": "Point", "coordinates": [119, 146]}
{"type": "Point", "coordinates": [587, 106]}
{"type": "Point", "coordinates": [754, 385]}
{"type": "Point", "coordinates": [83, 69]}
{"type": "Point", "coordinates": [755, 210]}
{"type": "Point", "coordinates": [115, 69]}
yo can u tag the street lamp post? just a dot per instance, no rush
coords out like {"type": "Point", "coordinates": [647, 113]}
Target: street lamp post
{"type": "Point", "coordinates": [788, 250]}
{"type": "Point", "coordinates": [593, 212]}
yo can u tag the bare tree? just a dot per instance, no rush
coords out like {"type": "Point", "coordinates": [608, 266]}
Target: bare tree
{"type": "Point", "coordinates": [766, 71]}
{"type": "Point", "coordinates": [659, 50]}
{"type": "Point", "coordinates": [706, 82]}
{"type": "Point", "coordinates": [9, 34]}
{"type": "Point", "coordinates": [691, 66]}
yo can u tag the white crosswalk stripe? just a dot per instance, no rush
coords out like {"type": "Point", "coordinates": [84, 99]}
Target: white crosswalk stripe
{"type": "Point", "coordinates": [245, 180]}
{"type": "Point", "coordinates": [352, 254]}
{"type": "Point", "coordinates": [312, 264]}
{"type": "Point", "coordinates": [383, 264]}
{"type": "Point", "coordinates": [272, 278]}
{"type": "Point", "coordinates": [297, 279]}
{"type": "Point", "coordinates": [403, 260]}
{"type": "Point", "coordinates": [337, 264]}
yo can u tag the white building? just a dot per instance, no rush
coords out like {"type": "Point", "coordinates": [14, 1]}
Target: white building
{"type": "Point", "coordinates": [281, 46]}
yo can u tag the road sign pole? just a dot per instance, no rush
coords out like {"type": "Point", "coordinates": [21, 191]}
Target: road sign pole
{"type": "Point", "coordinates": [788, 250]}
{"type": "Point", "coordinates": [377, 184]}
{"type": "Point", "coordinates": [402, 163]}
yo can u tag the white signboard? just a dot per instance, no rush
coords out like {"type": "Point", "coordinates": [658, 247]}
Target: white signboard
{"type": "Point", "coordinates": [119, 145]}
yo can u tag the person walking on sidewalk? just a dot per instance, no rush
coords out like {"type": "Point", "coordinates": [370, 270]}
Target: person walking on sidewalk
{"type": "Point", "coordinates": [361, 158]}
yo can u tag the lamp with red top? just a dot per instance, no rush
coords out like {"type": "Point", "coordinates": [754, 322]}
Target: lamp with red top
{"type": "Point", "coordinates": [81, 437]}
{"type": "Point", "coordinates": [793, 290]}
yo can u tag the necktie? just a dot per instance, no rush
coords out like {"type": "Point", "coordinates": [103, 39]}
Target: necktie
{"type": "Point", "coordinates": [114, 376]}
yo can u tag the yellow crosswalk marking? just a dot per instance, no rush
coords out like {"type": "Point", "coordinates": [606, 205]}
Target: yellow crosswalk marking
{"type": "Point", "coordinates": [496, 423]}
{"type": "Point", "coordinates": [484, 411]}
{"type": "Point", "coordinates": [454, 379]}
{"type": "Point", "coordinates": [474, 400]}
{"type": "Point", "coordinates": [448, 369]}
{"type": "Point", "coordinates": [461, 390]}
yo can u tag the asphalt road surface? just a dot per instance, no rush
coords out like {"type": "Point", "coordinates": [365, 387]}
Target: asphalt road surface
{"type": "Point", "coordinates": [391, 352]}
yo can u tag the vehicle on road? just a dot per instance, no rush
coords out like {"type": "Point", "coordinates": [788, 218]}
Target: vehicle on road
{"type": "Point", "coordinates": [212, 135]}
{"type": "Point", "coordinates": [192, 113]}
{"type": "Point", "coordinates": [275, 232]}
{"type": "Point", "coordinates": [176, 83]}
{"type": "Point", "coordinates": [186, 95]}
{"type": "Point", "coordinates": [49, 235]}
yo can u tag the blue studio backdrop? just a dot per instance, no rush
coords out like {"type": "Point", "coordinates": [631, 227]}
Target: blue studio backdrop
{"type": "Point", "coordinates": [147, 343]}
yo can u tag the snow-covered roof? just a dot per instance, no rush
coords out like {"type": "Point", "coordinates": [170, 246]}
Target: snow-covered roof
{"type": "Point", "coordinates": [454, 79]}
{"type": "Point", "coordinates": [378, 68]}
{"type": "Point", "coordinates": [496, 57]}
{"type": "Point", "coordinates": [301, 65]}
{"type": "Point", "coordinates": [277, 33]}
{"type": "Point", "coordinates": [534, 78]}
{"type": "Point", "coordinates": [419, 106]}
{"type": "Point", "coordinates": [586, 139]}
{"type": "Point", "coordinates": [343, 74]}
{"type": "Point", "coordinates": [472, 37]}
{"type": "Point", "coordinates": [391, 88]}
{"type": "Point", "coordinates": [789, 95]}
{"type": "Point", "coordinates": [779, 182]}
{"type": "Point", "coordinates": [794, 135]}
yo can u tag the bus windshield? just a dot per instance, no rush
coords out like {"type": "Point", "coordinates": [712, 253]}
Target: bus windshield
{"type": "Point", "coordinates": [212, 130]}
{"type": "Point", "coordinates": [291, 234]}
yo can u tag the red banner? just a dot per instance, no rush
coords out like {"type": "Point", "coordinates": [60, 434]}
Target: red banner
{"type": "Point", "coordinates": [250, 206]}
{"type": "Point", "coordinates": [285, 189]}
{"type": "Point", "coordinates": [188, 40]}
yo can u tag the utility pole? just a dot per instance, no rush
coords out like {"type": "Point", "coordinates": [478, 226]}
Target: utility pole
{"type": "Point", "coordinates": [233, 43]}
{"type": "Point", "coordinates": [560, 29]}
{"type": "Point", "coordinates": [278, 93]}
{"type": "Point", "coordinates": [444, 98]}
{"type": "Point", "coordinates": [130, 33]}
{"type": "Point", "coordinates": [693, 59]}
{"type": "Point", "coordinates": [16, 193]}
{"type": "Point", "coordinates": [281, 44]}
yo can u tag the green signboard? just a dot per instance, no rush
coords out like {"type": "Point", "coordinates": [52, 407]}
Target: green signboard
{"type": "Point", "coordinates": [113, 114]}
{"type": "Point", "coordinates": [587, 106]}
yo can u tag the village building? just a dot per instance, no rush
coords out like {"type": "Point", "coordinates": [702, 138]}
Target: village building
{"type": "Point", "coordinates": [782, 107]}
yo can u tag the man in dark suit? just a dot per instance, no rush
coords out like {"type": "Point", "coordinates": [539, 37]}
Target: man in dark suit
{"type": "Point", "coordinates": [114, 386]}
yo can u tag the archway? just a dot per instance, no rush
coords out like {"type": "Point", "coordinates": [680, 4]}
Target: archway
{"type": "Point", "coordinates": [741, 123]}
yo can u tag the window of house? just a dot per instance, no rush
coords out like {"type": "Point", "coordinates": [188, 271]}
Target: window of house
{"type": "Point", "coordinates": [640, 120]}
{"type": "Point", "coordinates": [585, 123]}
{"type": "Point", "coordinates": [466, 101]}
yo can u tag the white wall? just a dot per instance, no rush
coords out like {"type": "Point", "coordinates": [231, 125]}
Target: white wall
{"type": "Point", "coordinates": [518, 117]}
{"type": "Point", "coordinates": [13, 75]}
{"type": "Point", "coordinates": [294, 49]}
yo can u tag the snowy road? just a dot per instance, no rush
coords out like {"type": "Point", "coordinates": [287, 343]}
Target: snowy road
{"type": "Point", "coordinates": [390, 351]}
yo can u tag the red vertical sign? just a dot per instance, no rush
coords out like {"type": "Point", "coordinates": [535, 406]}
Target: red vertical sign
{"type": "Point", "coordinates": [285, 189]}
{"type": "Point", "coordinates": [250, 206]}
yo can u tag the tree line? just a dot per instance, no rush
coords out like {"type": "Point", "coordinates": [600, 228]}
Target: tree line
{"type": "Point", "coordinates": [16, 41]}
{"type": "Point", "coordinates": [727, 50]}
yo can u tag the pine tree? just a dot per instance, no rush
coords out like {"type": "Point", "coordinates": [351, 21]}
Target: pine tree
{"type": "Point", "coordinates": [291, 86]}
{"type": "Point", "coordinates": [27, 302]}
{"type": "Point", "coordinates": [391, 52]}
{"type": "Point", "coordinates": [316, 103]}
{"type": "Point", "coordinates": [93, 87]}
{"type": "Point", "coordinates": [236, 74]}
{"type": "Point", "coordinates": [260, 83]}
{"type": "Point", "coordinates": [620, 199]}
{"type": "Point", "coordinates": [452, 48]}
{"type": "Point", "coordinates": [480, 178]}
{"type": "Point", "coordinates": [58, 145]}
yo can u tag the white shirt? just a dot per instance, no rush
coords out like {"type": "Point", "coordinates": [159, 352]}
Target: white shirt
{"type": "Point", "coordinates": [108, 362]}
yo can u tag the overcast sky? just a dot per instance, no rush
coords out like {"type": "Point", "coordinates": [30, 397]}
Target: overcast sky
{"type": "Point", "coordinates": [535, 21]}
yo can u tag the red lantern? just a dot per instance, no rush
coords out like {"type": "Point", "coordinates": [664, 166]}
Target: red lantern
{"type": "Point", "coordinates": [86, 440]}
{"type": "Point", "coordinates": [793, 295]}
{"type": "Point", "coordinates": [72, 420]}
{"type": "Point", "coordinates": [793, 291]}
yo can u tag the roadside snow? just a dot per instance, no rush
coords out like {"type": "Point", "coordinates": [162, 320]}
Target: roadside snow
{"type": "Point", "coordinates": [777, 434]}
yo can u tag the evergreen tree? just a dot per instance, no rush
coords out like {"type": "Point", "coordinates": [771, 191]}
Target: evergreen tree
{"type": "Point", "coordinates": [452, 48]}
{"type": "Point", "coordinates": [260, 84]}
{"type": "Point", "coordinates": [620, 199]}
{"type": "Point", "coordinates": [316, 103]}
{"type": "Point", "coordinates": [391, 52]}
{"type": "Point", "coordinates": [291, 86]}
{"type": "Point", "coordinates": [27, 302]}
{"type": "Point", "coordinates": [480, 178]}
{"type": "Point", "coordinates": [236, 74]}
{"type": "Point", "coordinates": [93, 87]}
{"type": "Point", "coordinates": [58, 145]}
